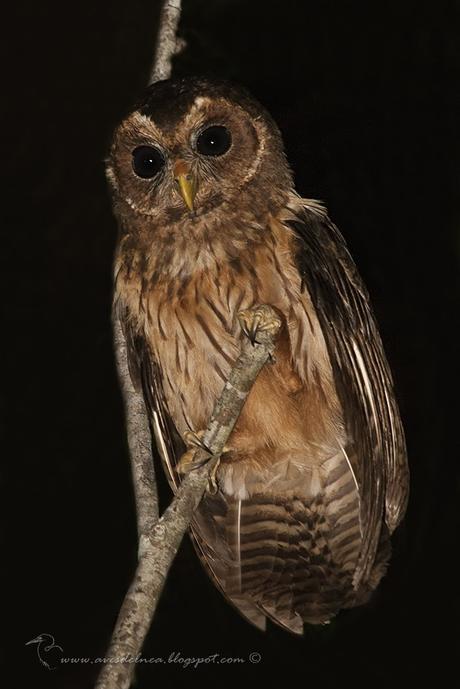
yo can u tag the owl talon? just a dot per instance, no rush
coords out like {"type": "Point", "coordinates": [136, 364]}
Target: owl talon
{"type": "Point", "coordinates": [194, 439]}
{"type": "Point", "coordinates": [259, 321]}
{"type": "Point", "coordinates": [212, 486]}
{"type": "Point", "coordinates": [189, 461]}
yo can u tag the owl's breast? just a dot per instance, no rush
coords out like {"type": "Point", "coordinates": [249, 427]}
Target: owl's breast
{"type": "Point", "coordinates": [194, 335]}
{"type": "Point", "coordinates": [195, 341]}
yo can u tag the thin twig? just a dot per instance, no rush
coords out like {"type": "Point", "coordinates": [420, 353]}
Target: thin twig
{"type": "Point", "coordinates": [159, 547]}
{"type": "Point", "coordinates": [139, 438]}
{"type": "Point", "coordinates": [167, 42]}
{"type": "Point", "coordinates": [137, 422]}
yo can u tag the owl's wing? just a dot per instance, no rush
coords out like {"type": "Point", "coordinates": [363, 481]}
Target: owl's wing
{"type": "Point", "coordinates": [209, 538]}
{"type": "Point", "coordinates": [361, 373]}
{"type": "Point", "coordinates": [146, 377]}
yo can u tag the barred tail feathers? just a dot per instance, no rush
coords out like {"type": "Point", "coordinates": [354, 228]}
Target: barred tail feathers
{"type": "Point", "coordinates": [288, 553]}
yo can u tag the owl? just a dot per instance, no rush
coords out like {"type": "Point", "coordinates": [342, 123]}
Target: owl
{"type": "Point", "coordinates": [314, 479]}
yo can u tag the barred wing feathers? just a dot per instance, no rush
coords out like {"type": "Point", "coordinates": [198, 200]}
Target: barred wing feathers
{"type": "Point", "coordinates": [361, 373]}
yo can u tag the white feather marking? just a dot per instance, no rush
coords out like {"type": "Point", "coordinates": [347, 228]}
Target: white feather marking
{"type": "Point", "coordinates": [356, 486]}
{"type": "Point", "coordinates": [367, 384]}
{"type": "Point", "coordinates": [272, 480]}
{"type": "Point", "coordinates": [242, 493]}
{"type": "Point", "coordinates": [200, 101]}
{"type": "Point", "coordinates": [145, 122]}
{"type": "Point", "coordinates": [261, 132]}
{"type": "Point", "coordinates": [390, 417]}
{"type": "Point", "coordinates": [227, 479]}
{"type": "Point", "coordinates": [238, 542]}
{"type": "Point", "coordinates": [315, 485]}
{"type": "Point", "coordinates": [110, 175]}
{"type": "Point", "coordinates": [350, 467]}
{"type": "Point", "coordinates": [162, 447]}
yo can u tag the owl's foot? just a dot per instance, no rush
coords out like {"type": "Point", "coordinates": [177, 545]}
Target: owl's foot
{"type": "Point", "coordinates": [212, 486]}
{"type": "Point", "coordinates": [259, 321]}
{"type": "Point", "coordinates": [194, 439]}
{"type": "Point", "coordinates": [197, 455]}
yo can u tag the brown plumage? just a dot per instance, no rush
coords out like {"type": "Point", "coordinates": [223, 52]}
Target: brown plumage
{"type": "Point", "coordinates": [316, 476]}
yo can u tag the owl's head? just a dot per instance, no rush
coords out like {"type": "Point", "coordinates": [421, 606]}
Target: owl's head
{"type": "Point", "coordinates": [193, 146]}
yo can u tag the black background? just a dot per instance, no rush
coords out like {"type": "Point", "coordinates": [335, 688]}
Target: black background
{"type": "Point", "coordinates": [366, 95]}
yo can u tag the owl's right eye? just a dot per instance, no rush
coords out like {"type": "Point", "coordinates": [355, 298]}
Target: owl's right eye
{"type": "Point", "coordinates": [147, 161]}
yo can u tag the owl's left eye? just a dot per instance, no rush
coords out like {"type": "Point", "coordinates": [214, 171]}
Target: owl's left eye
{"type": "Point", "coordinates": [214, 141]}
{"type": "Point", "coordinates": [147, 161]}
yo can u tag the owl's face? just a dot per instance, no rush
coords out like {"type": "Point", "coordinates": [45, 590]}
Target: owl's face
{"type": "Point", "coordinates": [193, 146]}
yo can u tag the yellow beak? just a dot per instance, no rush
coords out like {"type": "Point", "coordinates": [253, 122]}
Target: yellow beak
{"type": "Point", "coordinates": [186, 183]}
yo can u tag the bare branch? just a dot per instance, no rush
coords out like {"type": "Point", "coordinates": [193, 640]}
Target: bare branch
{"type": "Point", "coordinates": [137, 422]}
{"type": "Point", "coordinates": [167, 42]}
{"type": "Point", "coordinates": [140, 450]}
{"type": "Point", "coordinates": [158, 548]}
{"type": "Point", "coordinates": [139, 438]}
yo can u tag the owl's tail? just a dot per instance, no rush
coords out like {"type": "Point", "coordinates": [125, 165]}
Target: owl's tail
{"type": "Point", "coordinates": [288, 554]}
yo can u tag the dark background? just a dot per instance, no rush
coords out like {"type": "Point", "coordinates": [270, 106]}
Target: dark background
{"type": "Point", "coordinates": [367, 98]}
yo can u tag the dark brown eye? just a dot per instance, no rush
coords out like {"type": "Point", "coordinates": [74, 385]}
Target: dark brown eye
{"type": "Point", "coordinates": [214, 141]}
{"type": "Point", "coordinates": [147, 161]}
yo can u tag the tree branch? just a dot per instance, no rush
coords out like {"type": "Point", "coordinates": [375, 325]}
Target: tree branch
{"type": "Point", "coordinates": [167, 42]}
{"type": "Point", "coordinates": [137, 422]}
{"type": "Point", "coordinates": [158, 547]}
{"type": "Point", "coordinates": [139, 438]}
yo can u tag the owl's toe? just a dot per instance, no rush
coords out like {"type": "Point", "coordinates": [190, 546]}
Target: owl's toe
{"type": "Point", "coordinates": [259, 322]}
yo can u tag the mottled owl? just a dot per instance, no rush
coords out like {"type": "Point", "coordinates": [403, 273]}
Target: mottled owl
{"type": "Point", "coordinates": [314, 479]}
